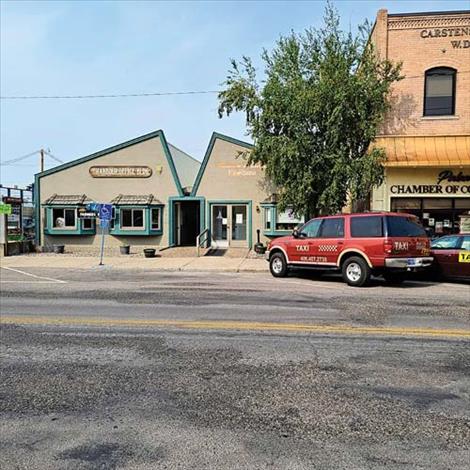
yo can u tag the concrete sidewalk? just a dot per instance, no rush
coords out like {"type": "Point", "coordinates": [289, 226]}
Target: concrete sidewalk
{"type": "Point", "coordinates": [213, 264]}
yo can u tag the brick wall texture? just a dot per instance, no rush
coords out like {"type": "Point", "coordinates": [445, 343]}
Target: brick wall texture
{"type": "Point", "coordinates": [421, 43]}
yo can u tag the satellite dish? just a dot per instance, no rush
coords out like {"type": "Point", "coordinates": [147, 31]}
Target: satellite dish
{"type": "Point", "coordinates": [60, 222]}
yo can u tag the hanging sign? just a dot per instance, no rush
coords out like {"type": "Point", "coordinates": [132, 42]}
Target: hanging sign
{"type": "Point", "coordinates": [87, 215]}
{"type": "Point", "coordinates": [120, 171]}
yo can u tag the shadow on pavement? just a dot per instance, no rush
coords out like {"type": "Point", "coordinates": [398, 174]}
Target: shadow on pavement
{"type": "Point", "coordinates": [409, 283]}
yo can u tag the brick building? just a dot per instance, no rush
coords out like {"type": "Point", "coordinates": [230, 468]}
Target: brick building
{"type": "Point", "coordinates": [426, 134]}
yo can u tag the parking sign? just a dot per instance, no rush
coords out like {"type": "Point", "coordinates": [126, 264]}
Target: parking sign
{"type": "Point", "coordinates": [106, 211]}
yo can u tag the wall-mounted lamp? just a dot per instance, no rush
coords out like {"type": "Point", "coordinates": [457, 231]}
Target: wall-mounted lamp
{"type": "Point", "coordinates": [258, 209]}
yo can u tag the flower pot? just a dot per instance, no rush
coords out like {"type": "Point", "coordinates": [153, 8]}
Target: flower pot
{"type": "Point", "coordinates": [124, 249]}
{"type": "Point", "coordinates": [59, 249]}
{"type": "Point", "coordinates": [150, 252]}
{"type": "Point", "coordinates": [260, 248]}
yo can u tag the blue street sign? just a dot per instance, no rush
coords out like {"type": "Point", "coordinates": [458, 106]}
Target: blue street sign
{"type": "Point", "coordinates": [104, 223]}
{"type": "Point", "coordinates": [93, 207]}
{"type": "Point", "coordinates": [106, 212]}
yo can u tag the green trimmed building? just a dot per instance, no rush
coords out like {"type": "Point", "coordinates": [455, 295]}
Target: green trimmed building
{"type": "Point", "coordinates": [161, 197]}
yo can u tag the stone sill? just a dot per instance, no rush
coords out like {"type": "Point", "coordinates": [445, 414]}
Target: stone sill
{"type": "Point", "coordinates": [439, 118]}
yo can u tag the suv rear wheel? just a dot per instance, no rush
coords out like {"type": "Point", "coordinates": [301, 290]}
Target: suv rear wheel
{"type": "Point", "coordinates": [356, 271]}
{"type": "Point", "coordinates": [278, 265]}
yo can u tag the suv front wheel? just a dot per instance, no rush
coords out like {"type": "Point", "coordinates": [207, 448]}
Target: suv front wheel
{"type": "Point", "coordinates": [356, 271]}
{"type": "Point", "coordinates": [278, 265]}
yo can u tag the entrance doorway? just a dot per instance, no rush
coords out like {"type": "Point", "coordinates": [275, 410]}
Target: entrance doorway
{"type": "Point", "coordinates": [186, 222]}
{"type": "Point", "coordinates": [229, 225]}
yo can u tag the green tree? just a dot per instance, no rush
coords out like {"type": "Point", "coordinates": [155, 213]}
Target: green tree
{"type": "Point", "coordinates": [313, 117]}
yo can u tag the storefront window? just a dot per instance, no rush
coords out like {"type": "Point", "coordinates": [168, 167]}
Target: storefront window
{"type": "Point", "coordinates": [64, 218]}
{"type": "Point", "coordinates": [267, 218]}
{"type": "Point", "coordinates": [88, 224]}
{"type": "Point", "coordinates": [439, 216]}
{"type": "Point", "coordinates": [132, 218]}
{"type": "Point", "coordinates": [287, 220]}
{"type": "Point", "coordinates": [155, 219]}
{"type": "Point", "coordinates": [437, 203]}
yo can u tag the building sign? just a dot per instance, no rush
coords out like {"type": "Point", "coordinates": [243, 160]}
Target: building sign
{"type": "Point", "coordinates": [120, 171]}
{"type": "Point", "coordinates": [447, 183]}
{"type": "Point", "coordinates": [457, 33]}
{"type": "Point", "coordinates": [12, 200]}
{"type": "Point", "coordinates": [239, 169]}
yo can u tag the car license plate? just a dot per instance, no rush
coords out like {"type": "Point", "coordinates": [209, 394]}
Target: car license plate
{"type": "Point", "coordinates": [464, 257]}
{"type": "Point", "coordinates": [411, 262]}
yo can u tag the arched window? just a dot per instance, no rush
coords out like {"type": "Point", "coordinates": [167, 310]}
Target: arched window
{"type": "Point", "coordinates": [439, 92]}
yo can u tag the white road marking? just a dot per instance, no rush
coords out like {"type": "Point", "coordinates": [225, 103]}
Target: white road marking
{"type": "Point", "coordinates": [49, 279]}
{"type": "Point", "coordinates": [28, 282]}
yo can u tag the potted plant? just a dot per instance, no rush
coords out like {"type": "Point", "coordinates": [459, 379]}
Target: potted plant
{"type": "Point", "coordinates": [58, 249]}
{"type": "Point", "coordinates": [149, 252]}
{"type": "Point", "coordinates": [124, 249]}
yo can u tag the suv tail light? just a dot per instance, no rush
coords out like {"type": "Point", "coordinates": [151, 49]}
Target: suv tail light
{"type": "Point", "coordinates": [388, 247]}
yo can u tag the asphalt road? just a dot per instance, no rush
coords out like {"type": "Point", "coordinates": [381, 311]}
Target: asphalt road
{"type": "Point", "coordinates": [144, 370]}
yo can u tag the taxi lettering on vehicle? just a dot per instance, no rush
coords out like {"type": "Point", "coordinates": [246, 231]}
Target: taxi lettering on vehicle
{"type": "Point", "coordinates": [357, 245]}
{"type": "Point", "coordinates": [302, 247]}
{"type": "Point", "coordinates": [464, 257]}
{"type": "Point", "coordinates": [402, 246]}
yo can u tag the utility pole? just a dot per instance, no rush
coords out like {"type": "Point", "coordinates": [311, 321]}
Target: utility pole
{"type": "Point", "coordinates": [41, 165]}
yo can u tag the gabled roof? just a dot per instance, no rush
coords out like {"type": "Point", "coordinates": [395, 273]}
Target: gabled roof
{"type": "Point", "coordinates": [187, 167]}
{"type": "Point", "coordinates": [135, 200]}
{"type": "Point", "coordinates": [208, 154]}
{"type": "Point", "coordinates": [159, 133]}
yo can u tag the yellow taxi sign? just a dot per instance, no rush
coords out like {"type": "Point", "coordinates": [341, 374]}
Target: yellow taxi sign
{"type": "Point", "coordinates": [464, 257]}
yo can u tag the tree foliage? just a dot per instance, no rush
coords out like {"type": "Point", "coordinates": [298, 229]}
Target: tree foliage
{"type": "Point", "coordinates": [313, 117]}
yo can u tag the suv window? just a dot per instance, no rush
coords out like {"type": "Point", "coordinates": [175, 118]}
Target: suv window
{"type": "Point", "coordinates": [445, 243]}
{"type": "Point", "coordinates": [332, 228]}
{"type": "Point", "coordinates": [402, 226]}
{"type": "Point", "coordinates": [367, 226]}
{"type": "Point", "coordinates": [310, 229]}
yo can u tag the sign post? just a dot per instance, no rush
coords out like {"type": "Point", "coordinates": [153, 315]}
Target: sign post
{"type": "Point", "coordinates": [105, 214]}
{"type": "Point", "coordinates": [104, 225]}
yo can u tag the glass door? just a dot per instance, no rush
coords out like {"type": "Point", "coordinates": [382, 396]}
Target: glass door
{"type": "Point", "coordinates": [220, 226]}
{"type": "Point", "coordinates": [238, 235]}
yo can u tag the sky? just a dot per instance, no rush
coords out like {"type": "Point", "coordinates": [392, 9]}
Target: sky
{"type": "Point", "coordinates": [119, 47]}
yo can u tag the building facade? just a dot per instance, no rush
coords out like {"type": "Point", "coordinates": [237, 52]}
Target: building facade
{"type": "Point", "coordinates": [426, 134]}
{"type": "Point", "coordinates": [161, 197]}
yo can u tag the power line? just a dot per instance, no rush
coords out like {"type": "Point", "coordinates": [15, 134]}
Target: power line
{"type": "Point", "coordinates": [134, 95]}
{"type": "Point", "coordinates": [17, 159]}
{"type": "Point", "coordinates": [124, 95]}
{"type": "Point", "coordinates": [14, 161]}
{"type": "Point", "coordinates": [47, 152]}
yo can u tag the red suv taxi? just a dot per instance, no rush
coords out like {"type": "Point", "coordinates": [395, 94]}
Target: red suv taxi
{"type": "Point", "coordinates": [358, 245]}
